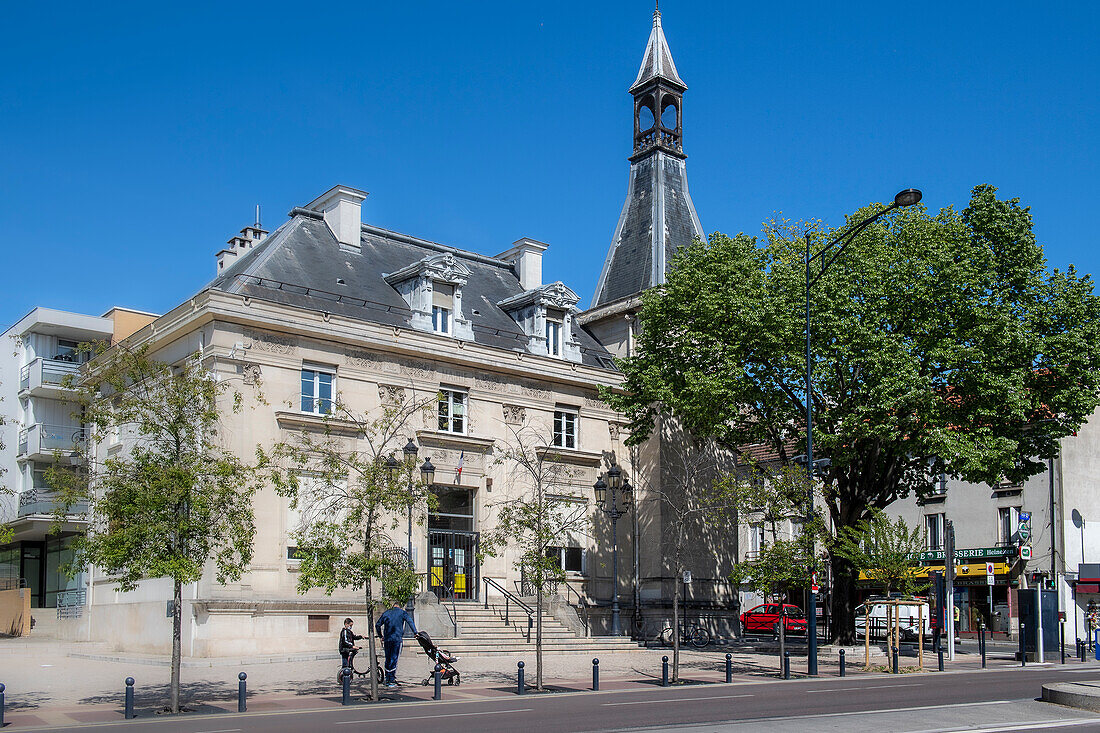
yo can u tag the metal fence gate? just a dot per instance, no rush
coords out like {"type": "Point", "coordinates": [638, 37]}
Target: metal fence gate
{"type": "Point", "coordinates": [453, 568]}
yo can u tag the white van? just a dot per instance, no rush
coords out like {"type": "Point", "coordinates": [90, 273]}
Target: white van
{"type": "Point", "coordinates": [909, 619]}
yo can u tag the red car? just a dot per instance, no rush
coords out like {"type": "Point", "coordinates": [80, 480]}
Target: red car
{"type": "Point", "coordinates": [764, 619]}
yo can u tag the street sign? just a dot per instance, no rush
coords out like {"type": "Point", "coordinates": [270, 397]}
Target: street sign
{"type": "Point", "coordinates": [687, 577]}
{"type": "Point", "coordinates": [989, 573]}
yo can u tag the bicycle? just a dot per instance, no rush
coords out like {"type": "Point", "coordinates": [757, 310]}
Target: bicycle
{"type": "Point", "coordinates": [379, 674]}
{"type": "Point", "coordinates": [697, 636]}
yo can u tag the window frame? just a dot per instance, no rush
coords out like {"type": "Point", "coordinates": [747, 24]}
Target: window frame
{"type": "Point", "coordinates": [553, 337]}
{"type": "Point", "coordinates": [1013, 514]}
{"type": "Point", "coordinates": [442, 320]}
{"type": "Point", "coordinates": [317, 402]}
{"type": "Point", "coordinates": [561, 552]}
{"type": "Point", "coordinates": [446, 399]}
{"type": "Point", "coordinates": [566, 416]}
{"type": "Point", "coordinates": [938, 521]}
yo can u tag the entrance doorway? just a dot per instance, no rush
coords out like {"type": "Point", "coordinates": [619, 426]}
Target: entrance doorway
{"type": "Point", "coordinates": [453, 569]}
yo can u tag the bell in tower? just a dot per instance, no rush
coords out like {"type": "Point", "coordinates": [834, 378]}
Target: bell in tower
{"type": "Point", "coordinates": [658, 217]}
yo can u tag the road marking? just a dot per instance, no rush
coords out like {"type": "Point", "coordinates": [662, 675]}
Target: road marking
{"type": "Point", "coordinates": [868, 687]}
{"type": "Point", "coordinates": [432, 717]}
{"type": "Point", "coordinates": [675, 699]}
{"type": "Point", "coordinates": [867, 712]}
{"type": "Point", "coordinates": [223, 730]}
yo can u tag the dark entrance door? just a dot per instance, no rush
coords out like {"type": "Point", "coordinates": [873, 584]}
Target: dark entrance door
{"type": "Point", "coordinates": [453, 567]}
{"type": "Point", "coordinates": [452, 545]}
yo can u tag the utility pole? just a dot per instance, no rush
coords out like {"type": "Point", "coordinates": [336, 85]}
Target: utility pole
{"type": "Point", "coordinates": [949, 585]}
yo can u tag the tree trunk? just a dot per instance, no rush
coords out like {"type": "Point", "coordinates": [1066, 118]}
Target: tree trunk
{"type": "Point", "coordinates": [177, 628]}
{"type": "Point", "coordinates": [372, 647]}
{"type": "Point", "coordinates": [843, 631]}
{"type": "Point", "coordinates": [676, 631]}
{"type": "Point", "coordinates": [538, 637]}
{"type": "Point", "coordinates": [782, 628]}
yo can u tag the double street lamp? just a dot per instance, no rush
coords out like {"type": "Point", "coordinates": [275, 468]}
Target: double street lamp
{"type": "Point", "coordinates": [908, 197]}
{"type": "Point", "coordinates": [427, 473]}
{"type": "Point", "coordinates": [614, 497]}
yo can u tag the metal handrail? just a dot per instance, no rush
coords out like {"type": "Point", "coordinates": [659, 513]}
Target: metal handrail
{"type": "Point", "coordinates": [452, 616]}
{"type": "Point", "coordinates": [510, 598]}
{"type": "Point", "coordinates": [581, 603]}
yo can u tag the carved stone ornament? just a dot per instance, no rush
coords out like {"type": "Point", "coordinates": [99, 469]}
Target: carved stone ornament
{"type": "Point", "coordinates": [390, 394]}
{"type": "Point", "coordinates": [251, 373]}
{"type": "Point", "coordinates": [264, 341]}
{"type": "Point", "coordinates": [514, 414]}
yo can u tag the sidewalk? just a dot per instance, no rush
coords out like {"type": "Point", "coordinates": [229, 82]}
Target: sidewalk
{"type": "Point", "coordinates": [70, 691]}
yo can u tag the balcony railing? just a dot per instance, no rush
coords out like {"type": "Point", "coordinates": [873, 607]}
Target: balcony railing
{"type": "Point", "coordinates": [44, 501]}
{"type": "Point", "coordinates": [49, 373]}
{"type": "Point", "coordinates": [40, 438]}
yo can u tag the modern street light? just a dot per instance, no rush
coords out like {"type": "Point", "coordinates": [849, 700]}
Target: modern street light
{"type": "Point", "coordinates": [908, 197]}
{"type": "Point", "coordinates": [614, 497]}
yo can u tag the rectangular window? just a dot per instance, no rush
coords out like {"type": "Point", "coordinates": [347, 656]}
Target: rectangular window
{"type": "Point", "coordinates": [1009, 521]}
{"type": "Point", "coordinates": [553, 338]}
{"type": "Point", "coordinates": [570, 559]}
{"type": "Point", "coordinates": [565, 429]}
{"type": "Point", "coordinates": [317, 390]}
{"type": "Point", "coordinates": [933, 531]}
{"type": "Point", "coordinates": [69, 350]}
{"type": "Point", "coordinates": [452, 411]}
{"type": "Point", "coordinates": [756, 530]}
{"type": "Point", "coordinates": [441, 319]}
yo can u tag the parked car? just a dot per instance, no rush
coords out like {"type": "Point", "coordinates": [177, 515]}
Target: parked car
{"type": "Point", "coordinates": [909, 620]}
{"type": "Point", "coordinates": [765, 619]}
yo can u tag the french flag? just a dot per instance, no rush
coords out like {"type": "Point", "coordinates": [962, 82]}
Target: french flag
{"type": "Point", "coordinates": [458, 470]}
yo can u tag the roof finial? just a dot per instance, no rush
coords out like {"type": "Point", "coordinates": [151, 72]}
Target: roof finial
{"type": "Point", "coordinates": [657, 11]}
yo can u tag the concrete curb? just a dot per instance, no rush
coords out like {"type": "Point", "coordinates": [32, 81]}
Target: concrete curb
{"type": "Point", "coordinates": [1083, 695]}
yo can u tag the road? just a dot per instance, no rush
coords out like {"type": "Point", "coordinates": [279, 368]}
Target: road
{"type": "Point", "coordinates": [990, 701]}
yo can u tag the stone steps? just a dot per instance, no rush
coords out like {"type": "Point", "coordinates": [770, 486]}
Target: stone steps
{"type": "Point", "coordinates": [483, 632]}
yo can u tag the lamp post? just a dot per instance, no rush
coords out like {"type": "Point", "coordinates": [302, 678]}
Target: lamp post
{"type": "Point", "coordinates": [908, 197]}
{"type": "Point", "coordinates": [614, 497]}
{"type": "Point", "coordinates": [427, 473]}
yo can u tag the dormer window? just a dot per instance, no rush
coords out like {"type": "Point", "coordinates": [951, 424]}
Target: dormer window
{"type": "Point", "coordinates": [553, 337]}
{"type": "Point", "coordinates": [433, 289]}
{"type": "Point", "coordinates": [442, 307]}
{"type": "Point", "coordinates": [546, 314]}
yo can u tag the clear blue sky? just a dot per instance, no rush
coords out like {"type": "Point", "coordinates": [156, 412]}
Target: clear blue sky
{"type": "Point", "coordinates": [137, 138]}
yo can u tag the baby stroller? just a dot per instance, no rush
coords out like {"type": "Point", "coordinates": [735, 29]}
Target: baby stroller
{"type": "Point", "coordinates": [442, 657]}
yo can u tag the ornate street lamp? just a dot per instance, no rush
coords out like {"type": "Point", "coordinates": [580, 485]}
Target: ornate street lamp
{"type": "Point", "coordinates": [908, 197]}
{"type": "Point", "coordinates": [614, 497]}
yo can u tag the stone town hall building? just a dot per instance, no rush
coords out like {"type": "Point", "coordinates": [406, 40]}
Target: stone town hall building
{"type": "Point", "coordinates": [329, 304]}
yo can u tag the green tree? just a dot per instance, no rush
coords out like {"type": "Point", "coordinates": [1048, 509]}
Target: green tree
{"type": "Point", "coordinates": [886, 551]}
{"type": "Point", "coordinates": [785, 561]}
{"type": "Point", "coordinates": [351, 502]}
{"type": "Point", "coordinates": [541, 510]}
{"type": "Point", "coordinates": [935, 337]}
{"type": "Point", "coordinates": [173, 501]}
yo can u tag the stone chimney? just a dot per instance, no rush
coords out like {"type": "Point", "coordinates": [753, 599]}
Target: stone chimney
{"type": "Point", "coordinates": [342, 207]}
{"type": "Point", "coordinates": [248, 238]}
{"type": "Point", "coordinates": [526, 258]}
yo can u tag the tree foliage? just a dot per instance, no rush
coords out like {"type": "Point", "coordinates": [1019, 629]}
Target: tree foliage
{"type": "Point", "coordinates": [170, 500]}
{"type": "Point", "coordinates": [337, 478]}
{"type": "Point", "coordinates": [935, 336]}
{"type": "Point", "coordinates": [886, 551]}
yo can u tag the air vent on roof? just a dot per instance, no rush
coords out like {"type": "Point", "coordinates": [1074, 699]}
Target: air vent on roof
{"type": "Point", "coordinates": [340, 281]}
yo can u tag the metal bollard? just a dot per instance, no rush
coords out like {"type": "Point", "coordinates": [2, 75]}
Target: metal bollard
{"type": "Point", "coordinates": [664, 671]}
{"type": "Point", "coordinates": [895, 659]}
{"type": "Point", "coordinates": [438, 673]}
{"type": "Point", "coordinates": [346, 680]}
{"type": "Point", "coordinates": [521, 686]}
{"type": "Point", "coordinates": [841, 653]}
{"type": "Point", "coordinates": [981, 643]}
{"type": "Point", "coordinates": [1062, 639]}
{"type": "Point", "coordinates": [2, 688]}
{"type": "Point", "coordinates": [242, 693]}
{"type": "Point", "coordinates": [129, 698]}
{"type": "Point", "coordinates": [1023, 646]}
{"type": "Point", "coordinates": [729, 668]}
{"type": "Point", "coordinates": [596, 674]}
{"type": "Point", "coordinates": [939, 655]}
{"type": "Point", "coordinates": [786, 665]}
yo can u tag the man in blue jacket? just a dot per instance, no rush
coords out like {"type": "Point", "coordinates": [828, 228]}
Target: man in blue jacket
{"type": "Point", "coordinates": [391, 627]}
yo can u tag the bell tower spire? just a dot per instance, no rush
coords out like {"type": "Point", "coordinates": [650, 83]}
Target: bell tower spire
{"type": "Point", "coordinates": [658, 217]}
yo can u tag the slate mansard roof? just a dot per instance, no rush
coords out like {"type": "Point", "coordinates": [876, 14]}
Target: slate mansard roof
{"type": "Point", "coordinates": [303, 265]}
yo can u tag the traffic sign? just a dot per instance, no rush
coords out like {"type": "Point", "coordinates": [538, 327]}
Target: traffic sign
{"type": "Point", "coordinates": [989, 569]}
